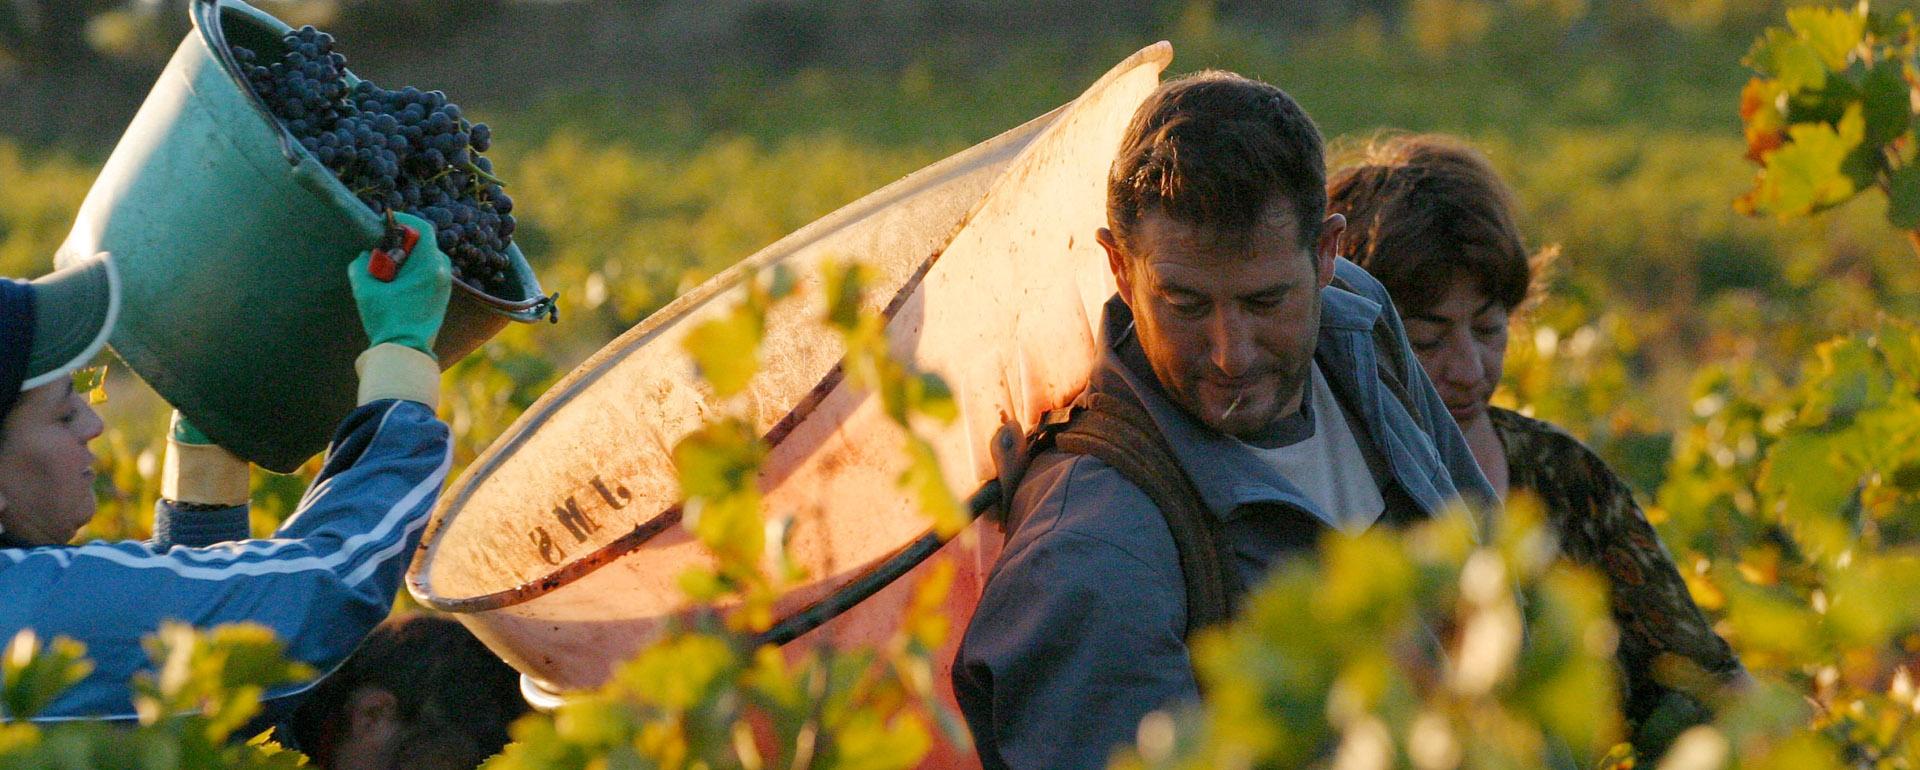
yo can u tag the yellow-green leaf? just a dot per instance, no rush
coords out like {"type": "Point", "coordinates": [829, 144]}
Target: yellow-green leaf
{"type": "Point", "coordinates": [1787, 58]}
{"type": "Point", "coordinates": [929, 485]}
{"type": "Point", "coordinates": [719, 459]}
{"type": "Point", "coordinates": [727, 349]}
{"type": "Point", "coordinates": [681, 671]}
{"type": "Point", "coordinates": [1806, 175]}
{"type": "Point", "coordinates": [1831, 33]}
{"type": "Point", "coordinates": [845, 283]}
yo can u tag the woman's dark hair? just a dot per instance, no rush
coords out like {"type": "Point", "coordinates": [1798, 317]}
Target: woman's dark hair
{"type": "Point", "coordinates": [1424, 208]}
{"type": "Point", "coordinates": [1214, 151]}
{"type": "Point", "coordinates": [454, 698]}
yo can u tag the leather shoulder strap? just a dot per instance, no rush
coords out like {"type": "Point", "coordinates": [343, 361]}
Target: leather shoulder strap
{"type": "Point", "coordinates": [1122, 435]}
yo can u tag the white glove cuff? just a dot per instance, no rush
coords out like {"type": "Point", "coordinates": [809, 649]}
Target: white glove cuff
{"type": "Point", "coordinates": [203, 473]}
{"type": "Point", "coordinates": [388, 370]}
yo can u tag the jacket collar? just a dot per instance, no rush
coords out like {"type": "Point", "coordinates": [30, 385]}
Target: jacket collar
{"type": "Point", "coordinates": [1225, 471]}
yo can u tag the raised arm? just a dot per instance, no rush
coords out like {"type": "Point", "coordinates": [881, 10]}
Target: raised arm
{"type": "Point", "coordinates": [328, 575]}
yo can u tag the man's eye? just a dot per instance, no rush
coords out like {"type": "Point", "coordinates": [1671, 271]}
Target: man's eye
{"type": "Point", "coordinates": [1488, 331]}
{"type": "Point", "coordinates": [1188, 310]}
{"type": "Point", "coordinates": [1423, 346]}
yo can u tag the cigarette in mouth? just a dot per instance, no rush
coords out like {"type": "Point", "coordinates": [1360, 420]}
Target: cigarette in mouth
{"type": "Point", "coordinates": [1230, 407]}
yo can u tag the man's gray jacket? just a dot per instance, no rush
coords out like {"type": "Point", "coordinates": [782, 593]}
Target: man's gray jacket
{"type": "Point", "coordinates": [1080, 630]}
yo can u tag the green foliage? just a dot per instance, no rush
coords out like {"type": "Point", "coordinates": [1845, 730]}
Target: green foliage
{"type": "Point", "coordinates": [1794, 508]}
{"type": "Point", "coordinates": [710, 694]}
{"type": "Point", "coordinates": [1671, 340]}
{"type": "Point", "coordinates": [706, 697]}
{"type": "Point", "coordinates": [1792, 512]}
{"type": "Point", "coordinates": [1829, 113]}
{"type": "Point", "coordinates": [33, 677]}
{"type": "Point", "coordinates": [904, 394]}
{"type": "Point", "coordinates": [1392, 649]}
{"type": "Point", "coordinates": [206, 685]}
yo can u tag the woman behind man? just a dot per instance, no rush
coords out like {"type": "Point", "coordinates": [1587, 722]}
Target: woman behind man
{"type": "Point", "coordinates": [1428, 216]}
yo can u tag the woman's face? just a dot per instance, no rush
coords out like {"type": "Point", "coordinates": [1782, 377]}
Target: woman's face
{"type": "Point", "coordinates": [46, 470]}
{"type": "Point", "coordinates": [1462, 343]}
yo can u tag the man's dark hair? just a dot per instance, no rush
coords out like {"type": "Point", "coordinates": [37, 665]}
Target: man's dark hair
{"type": "Point", "coordinates": [1214, 151]}
{"type": "Point", "coordinates": [1422, 209]}
{"type": "Point", "coordinates": [453, 697]}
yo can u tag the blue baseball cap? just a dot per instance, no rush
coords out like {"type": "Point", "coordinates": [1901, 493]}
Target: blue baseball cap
{"type": "Point", "coordinates": [55, 324]}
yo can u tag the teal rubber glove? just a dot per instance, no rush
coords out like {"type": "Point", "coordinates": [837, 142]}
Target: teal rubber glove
{"type": "Point", "coordinates": [185, 433]}
{"type": "Point", "coordinates": [407, 310]}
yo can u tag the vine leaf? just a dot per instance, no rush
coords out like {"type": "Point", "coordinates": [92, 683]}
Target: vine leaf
{"type": "Point", "coordinates": [1903, 198]}
{"type": "Point", "coordinates": [1889, 107]}
{"type": "Point", "coordinates": [1806, 175]}
{"type": "Point", "coordinates": [1832, 34]}
{"type": "Point", "coordinates": [726, 349]}
{"type": "Point", "coordinates": [1788, 59]}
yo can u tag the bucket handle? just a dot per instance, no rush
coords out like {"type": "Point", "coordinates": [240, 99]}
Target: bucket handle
{"type": "Point", "coordinates": [206, 16]}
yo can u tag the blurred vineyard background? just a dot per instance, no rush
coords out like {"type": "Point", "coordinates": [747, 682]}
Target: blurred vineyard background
{"type": "Point", "coordinates": [650, 144]}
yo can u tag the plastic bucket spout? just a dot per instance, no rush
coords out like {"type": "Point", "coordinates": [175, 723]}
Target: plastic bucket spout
{"type": "Point", "coordinates": [232, 244]}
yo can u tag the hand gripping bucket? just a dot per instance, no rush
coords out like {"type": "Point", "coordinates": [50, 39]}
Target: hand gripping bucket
{"type": "Point", "coordinates": [232, 244]}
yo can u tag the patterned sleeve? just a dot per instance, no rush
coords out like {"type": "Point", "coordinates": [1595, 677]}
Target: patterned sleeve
{"type": "Point", "coordinates": [1601, 526]}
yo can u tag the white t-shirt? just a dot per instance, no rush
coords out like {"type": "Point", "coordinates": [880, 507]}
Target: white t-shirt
{"type": "Point", "coordinates": [1329, 466]}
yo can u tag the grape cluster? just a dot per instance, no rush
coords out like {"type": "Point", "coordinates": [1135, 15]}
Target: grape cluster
{"type": "Point", "coordinates": [407, 150]}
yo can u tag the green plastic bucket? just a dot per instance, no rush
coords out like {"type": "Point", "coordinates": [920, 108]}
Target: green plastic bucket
{"type": "Point", "coordinates": [232, 244]}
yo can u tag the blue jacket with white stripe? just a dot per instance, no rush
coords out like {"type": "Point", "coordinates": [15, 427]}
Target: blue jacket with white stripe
{"type": "Point", "coordinates": [324, 580]}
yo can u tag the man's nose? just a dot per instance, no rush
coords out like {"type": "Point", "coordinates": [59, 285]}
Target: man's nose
{"type": "Point", "coordinates": [1231, 339]}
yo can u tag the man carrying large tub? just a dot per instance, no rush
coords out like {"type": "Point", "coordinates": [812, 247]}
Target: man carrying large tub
{"type": "Point", "coordinates": [325, 579]}
{"type": "Point", "coordinates": [1253, 393]}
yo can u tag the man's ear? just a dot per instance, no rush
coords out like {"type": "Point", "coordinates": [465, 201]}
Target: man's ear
{"type": "Point", "coordinates": [1117, 262]}
{"type": "Point", "coordinates": [1327, 248]}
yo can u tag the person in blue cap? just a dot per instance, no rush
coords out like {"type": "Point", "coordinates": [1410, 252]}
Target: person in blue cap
{"type": "Point", "coordinates": [322, 581]}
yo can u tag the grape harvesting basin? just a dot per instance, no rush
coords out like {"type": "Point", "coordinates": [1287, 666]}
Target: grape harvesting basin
{"type": "Point", "coordinates": [232, 243]}
{"type": "Point", "coordinates": [560, 546]}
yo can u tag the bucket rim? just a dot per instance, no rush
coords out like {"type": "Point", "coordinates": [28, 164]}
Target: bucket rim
{"type": "Point", "coordinates": [457, 492]}
{"type": "Point", "coordinates": [205, 15]}
{"type": "Point", "coordinates": [419, 578]}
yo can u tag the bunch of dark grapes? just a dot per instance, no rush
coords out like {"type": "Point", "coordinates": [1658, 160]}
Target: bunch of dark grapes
{"type": "Point", "coordinates": [407, 150]}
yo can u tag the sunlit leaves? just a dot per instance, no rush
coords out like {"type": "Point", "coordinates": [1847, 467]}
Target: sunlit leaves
{"type": "Point", "coordinates": [726, 348]}
{"type": "Point", "coordinates": [208, 684]}
{"type": "Point", "coordinates": [1837, 474]}
{"type": "Point", "coordinates": [1788, 58]}
{"type": "Point", "coordinates": [904, 394]}
{"type": "Point", "coordinates": [1831, 113]}
{"type": "Point", "coordinates": [1814, 574]}
{"type": "Point", "coordinates": [1805, 174]}
{"type": "Point", "coordinates": [1410, 648]}
{"type": "Point", "coordinates": [218, 676]}
{"type": "Point", "coordinates": [844, 284]}
{"type": "Point", "coordinates": [1832, 33]}
{"type": "Point", "coordinates": [1903, 197]}
{"type": "Point", "coordinates": [1565, 674]}
{"type": "Point", "coordinates": [34, 677]}
{"type": "Point", "coordinates": [706, 695]}
{"type": "Point", "coordinates": [680, 672]}
{"type": "Point", "coordinates": [924, 478]}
